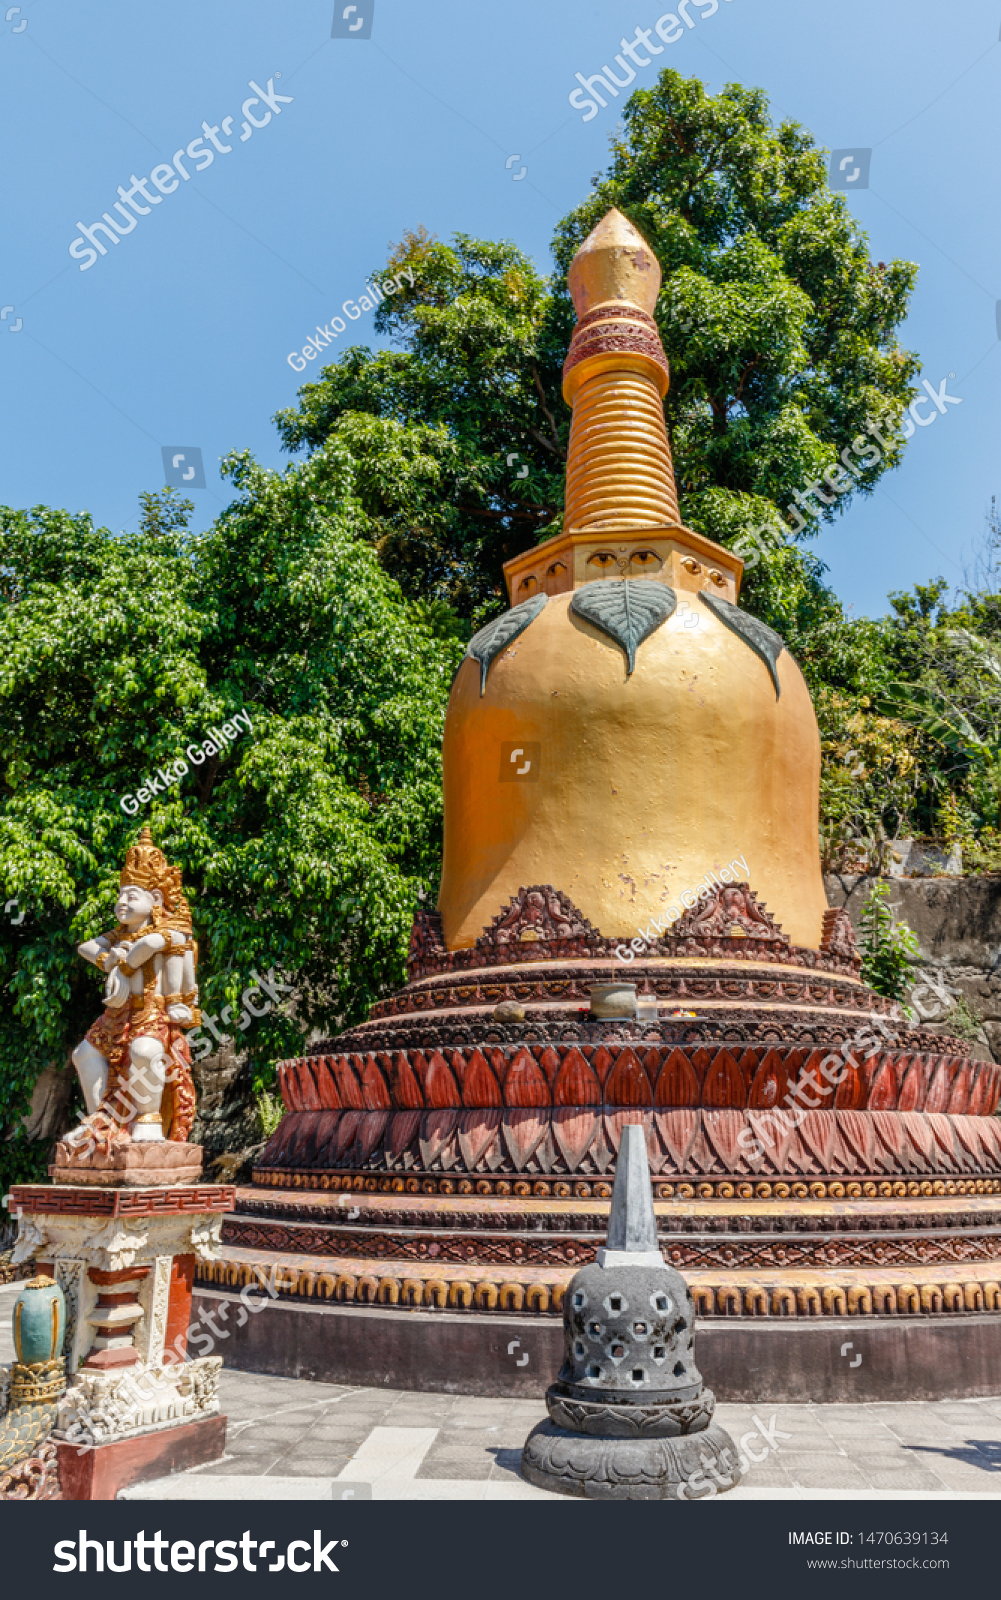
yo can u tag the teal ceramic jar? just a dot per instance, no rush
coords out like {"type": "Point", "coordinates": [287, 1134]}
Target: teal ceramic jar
{"type": "Point", "coordinates": [39, 1322]}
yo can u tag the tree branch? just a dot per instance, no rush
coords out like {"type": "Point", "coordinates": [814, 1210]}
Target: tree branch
{"type": "Point", "coordinates": [502, 516]}
{"type": "Point", "coordinates": [750, 365]}
{"type": "Point", "coordinates": [558, 449]}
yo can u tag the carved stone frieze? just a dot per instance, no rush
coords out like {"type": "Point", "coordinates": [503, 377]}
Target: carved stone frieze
{"type": "Point", "coordinates": [99, 1406]}
{"type": "Point", "coordinates": [119, 1243]}
{"type": "Point", "coordinates": [392, 1210]}
{"type": "Point", "coordinates": [676, 986]}
{"type": "Point", "coordinates": [638, 1422]}
{"type": "Point", "coordinates": [839, 936]}
{"type": "Point", "coordinates": [541, 1141]}
{"type": "Point", "coordinates": [119, 1202]}
{"type": "Point", "coordinates": [728, 925]}
{"type": "Point", "coordinates": [718, 1292]}
{"type": "Point", "coordinates": [779, 1079]}
{"type": "Point", "coordinates": [532, 1250]}
{"type": "Point", "coordinates": [538, 915]}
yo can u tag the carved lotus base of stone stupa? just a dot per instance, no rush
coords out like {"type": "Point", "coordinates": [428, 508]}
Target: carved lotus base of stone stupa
{"type": "Point", "coordinates": [630, 1468]}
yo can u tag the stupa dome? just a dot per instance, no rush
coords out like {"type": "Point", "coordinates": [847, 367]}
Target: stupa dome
{"type": "Point", "coordinates": [626, 729]}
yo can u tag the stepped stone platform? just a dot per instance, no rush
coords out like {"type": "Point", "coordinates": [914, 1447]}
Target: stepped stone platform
{"type": "Point", "coordinates": [864, 1257]}
{"type": "Point", "coordinates": [441, 1172]}
{"type": "Point", "coordinates": [431, 1290]}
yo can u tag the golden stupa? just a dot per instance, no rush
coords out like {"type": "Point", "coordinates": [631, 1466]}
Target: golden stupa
{"type": "Point", "coordinates": [630, 757]}
{"type": "Point", "coordinates": [642, 777]}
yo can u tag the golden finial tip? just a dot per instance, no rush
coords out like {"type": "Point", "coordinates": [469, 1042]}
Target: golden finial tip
{"type": "Point", "coordinates": [614, 265]}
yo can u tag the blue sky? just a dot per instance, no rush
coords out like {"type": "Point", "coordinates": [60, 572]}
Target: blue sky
{"type": "Point", "coordinates": [179, 334]}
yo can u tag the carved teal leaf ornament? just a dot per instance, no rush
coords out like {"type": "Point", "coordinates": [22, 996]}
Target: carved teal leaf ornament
{"type": "Point", "coordinates": [486, 645]}
{"type": "Point", "coordinates": [765, 643]}
{"type": "Point", "coordinates": [627, 609]}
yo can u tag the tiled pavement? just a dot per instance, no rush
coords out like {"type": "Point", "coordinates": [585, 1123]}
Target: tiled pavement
{"type": "Point", "coordinates": [429, 1446]}
{"type": "Point", "coordinates": [470, 1448]}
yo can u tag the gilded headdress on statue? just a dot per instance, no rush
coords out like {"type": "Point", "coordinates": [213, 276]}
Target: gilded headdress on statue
{"type": "Point", "coordinates": [146, 867]}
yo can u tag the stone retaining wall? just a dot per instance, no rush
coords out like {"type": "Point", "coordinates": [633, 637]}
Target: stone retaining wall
{"type": "Point", "coordinates": [958, 925]}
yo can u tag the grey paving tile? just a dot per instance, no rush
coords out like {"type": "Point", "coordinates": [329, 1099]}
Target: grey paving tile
{"type": "Point", "coordinates": [417, 1416]}
{"type": "Point", "coordinates": [504, 1442]}
{"type": "Point", "coordinates": [959, 1477]}
{"type": "Point", "coordinates": [338, 1433]}
{"type": "Point", "coordinates": [857, 1426]}
{"type": "Point", "coordinates": [479, 1445]}
{"type": "Point", "coordinates": [805, 1444]}
{"type": "Point", "coordinates": [886, 1449]}
{"type": "Point", "coordinates": [352, 1419]}
{"type": "Point", "coordinates": [269, 1442]}
{"type": "Point", "coordinates": [902, 1479]}
{"type": "Point", "coordinates": [473, 1466]}
{"type": "Point", "coordinates": [854, 1484]}
{"type": "Point", "coordinates": [237, 1468]}
{"type": "Point", "coordinates": [474, 1424]}
{"type": "Point", "coordinates": [808, 1472]}
{"type": "Point", "coordinates": [301, 1465]}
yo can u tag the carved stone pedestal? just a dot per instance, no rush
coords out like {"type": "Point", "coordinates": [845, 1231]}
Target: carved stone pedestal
{"type": "Point", "coordinates": [127, 1164]}
{"type": "Point", "coordinates": [136, 1406]}
{"type": "Point", "coordinates": [618, 1468]}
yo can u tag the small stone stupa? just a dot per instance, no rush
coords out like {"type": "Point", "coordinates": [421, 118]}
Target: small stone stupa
{"type": "Point", "coordinates": [629, 1415]}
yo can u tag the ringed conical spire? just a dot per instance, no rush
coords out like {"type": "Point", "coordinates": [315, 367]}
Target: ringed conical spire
{"type": "Point", "coordinates": [619, 469]}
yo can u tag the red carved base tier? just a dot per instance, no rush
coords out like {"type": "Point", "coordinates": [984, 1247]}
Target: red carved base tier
{"type": "Point", "coordinates": [812, 1153]}
{"type": "Point", "coordinates": [551, 1110]}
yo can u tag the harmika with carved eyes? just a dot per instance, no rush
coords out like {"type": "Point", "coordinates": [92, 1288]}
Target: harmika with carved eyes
{"type": "Point", "coordinates": [552, 583]}
{"type": "Point", "coordinates": [608, 565]}
{"type": "Point", "coordinates": [638, 561]}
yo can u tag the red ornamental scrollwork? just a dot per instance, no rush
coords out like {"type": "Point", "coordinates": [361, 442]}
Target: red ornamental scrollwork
{"type": "Point", "coordinates": [541, 923]}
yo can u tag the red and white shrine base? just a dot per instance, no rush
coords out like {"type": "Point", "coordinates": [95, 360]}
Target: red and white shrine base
{"type": "Point", "coordinates": [135, 1406]}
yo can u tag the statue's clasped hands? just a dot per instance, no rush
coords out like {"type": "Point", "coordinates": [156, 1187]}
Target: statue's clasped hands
{"type": "Point", "coordinates": [121, 960]}
{"type": "Point", "coordinates": [112, 958]}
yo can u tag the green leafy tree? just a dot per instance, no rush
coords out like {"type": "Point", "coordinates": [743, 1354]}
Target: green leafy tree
{"type": "Point", "coordinates": [432, 426]}
{"type": "Point", "coordinates": [305, 846]}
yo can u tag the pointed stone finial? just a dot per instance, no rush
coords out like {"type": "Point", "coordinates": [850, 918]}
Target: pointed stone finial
{"type": "Point", "coordinates": [614, 265]}
{"type": "Point", "coordinates": [632, 1226]}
